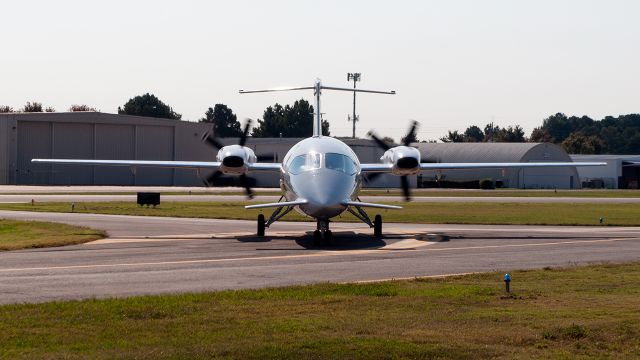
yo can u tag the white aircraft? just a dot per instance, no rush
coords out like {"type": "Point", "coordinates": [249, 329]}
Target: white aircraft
{"type": "Point", "coordinates": [320, 176]}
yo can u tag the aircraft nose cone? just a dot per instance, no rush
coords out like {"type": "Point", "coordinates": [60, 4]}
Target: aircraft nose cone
{"type": "Point", "coordinates": [324, 190]}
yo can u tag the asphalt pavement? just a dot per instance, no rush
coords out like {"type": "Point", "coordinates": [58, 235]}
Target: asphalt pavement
{"type": "Point", "coordinates": [152, 255]}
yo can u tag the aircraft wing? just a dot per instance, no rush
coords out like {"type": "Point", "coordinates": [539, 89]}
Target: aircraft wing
{"type": "Point", "coordinates": [278, 204]}
{"type": "Point", "coordinates": [454, 166]}
{"type": "Point", "coordinates": [376, 167]}
{"type": "Point", "coordinates": [371, 205]}
{"type": "Point", "coordinates": [158, 164]}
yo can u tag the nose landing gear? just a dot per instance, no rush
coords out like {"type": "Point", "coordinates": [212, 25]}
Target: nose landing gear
{"type": "Point", "coordinates": [322, 235]}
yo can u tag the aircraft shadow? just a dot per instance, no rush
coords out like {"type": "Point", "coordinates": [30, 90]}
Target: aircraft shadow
{"type": "Point", "coordinates": [342, 240]}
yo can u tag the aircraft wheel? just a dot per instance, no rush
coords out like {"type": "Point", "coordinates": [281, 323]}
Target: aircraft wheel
{"type": "Point", "coordinates": [317, 238]}
{"type": "Point", "coordinates": [377, 226]}
{"type": "Point", "coordinates": [261, 225]}
{"type": "Point", "coordinates": [328, 237]}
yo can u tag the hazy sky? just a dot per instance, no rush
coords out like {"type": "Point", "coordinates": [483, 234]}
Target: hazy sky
{"type": "Point", "coordinates": [452, 63]}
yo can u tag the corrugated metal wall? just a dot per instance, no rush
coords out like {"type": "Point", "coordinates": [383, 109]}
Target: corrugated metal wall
{"type": "Point", "coordinates": [95, 136]}
{"type": "Point", "coordinates": [154, 143]}
{"type": "Point", "coordinates": [34, 141]}
{"type": "Point", "coordinates": [72, 140]}
{"type": "Point", "coordinates": [115, 142]}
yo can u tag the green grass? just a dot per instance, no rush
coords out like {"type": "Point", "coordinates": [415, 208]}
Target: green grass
{"type": "Point", "coordinates": [16, 235]}
{"type": "Point", "coordinates": [451, 213]}
{"type": "Point", "coordinates": [580, 312]}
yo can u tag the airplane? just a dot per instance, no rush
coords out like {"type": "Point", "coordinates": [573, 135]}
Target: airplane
{"type": "Point", "coordinates": [320, 176]}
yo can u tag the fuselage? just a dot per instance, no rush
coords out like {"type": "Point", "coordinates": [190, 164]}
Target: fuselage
{"type": "Point", "coordinates": [325, 172]}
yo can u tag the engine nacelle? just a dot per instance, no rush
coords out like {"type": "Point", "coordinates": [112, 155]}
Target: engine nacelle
{"type": "Point", "coordinates": [234, 159]}
{"type": "Point", "coordinates": [405, 160]}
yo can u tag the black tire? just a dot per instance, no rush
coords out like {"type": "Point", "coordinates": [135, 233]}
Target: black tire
{"type": "Point", "coordinates": [328, 237]}
{"type": "Point", "coordinates": [261, 225]}
{"type": "Point", "coordinates": [317, 238]}
{"type": "Point", "coordinates": [377, 226]}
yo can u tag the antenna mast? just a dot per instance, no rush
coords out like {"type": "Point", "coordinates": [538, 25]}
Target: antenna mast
{"type": "Point", "coordinates": [317, 123]}
{"type": "Point", "coordinates": [355, 77]}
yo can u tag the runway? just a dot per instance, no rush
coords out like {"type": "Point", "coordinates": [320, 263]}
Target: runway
{"type": "Point", "coordinates": [151, 255]}
{"type": "Point", "coordinates": [39, 198]}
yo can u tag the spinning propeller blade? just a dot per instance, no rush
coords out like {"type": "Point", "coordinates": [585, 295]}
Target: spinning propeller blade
{"type": "Point", "coordinates": [404, 182]}
{"type": "Point", "coordinates": [379, 141]}
{"type": "Point", "coordinates": [245, 133]}
{"type": "Point", "coordinates": [210, 180]}
{"type": "Point", "coordinates": [244, 182]}
{"type": "Point", "coordinates": [211, 140]}
{"type": "Point", "coordinates": [410, 134]}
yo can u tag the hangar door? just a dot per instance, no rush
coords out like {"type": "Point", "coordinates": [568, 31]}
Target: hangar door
{"type": "Point", "coordinates": [114, 142]}
{"type": "Point", "coordinates": [34, 141]}
{"type": "Point", "coordinates": [154, 143]}
{"type": "Point", "coordinates": [72, 141]}
{"type": "Point", "coordinates": [548, 178]}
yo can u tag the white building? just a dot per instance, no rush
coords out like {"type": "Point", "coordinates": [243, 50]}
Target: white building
{"type": "Point", "coordinates": [621, 172]}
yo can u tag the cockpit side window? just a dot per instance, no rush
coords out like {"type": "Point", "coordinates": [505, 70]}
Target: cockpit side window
{"type": "Point", "coordinates": [340, 163]}
{"type": "Point", "coordinates": [297, 165]}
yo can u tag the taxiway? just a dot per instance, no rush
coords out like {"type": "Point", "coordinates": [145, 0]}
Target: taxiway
{"type": "Point", "coordinates": [154, 255]}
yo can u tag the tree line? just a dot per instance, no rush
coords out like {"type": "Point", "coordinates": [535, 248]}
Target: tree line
{"type": "Point", "coordinates": [37, 107]}
{"type": "Point", "coordinates": [491, 133]}
{"type": "Point", "coordinates": [577, 135]}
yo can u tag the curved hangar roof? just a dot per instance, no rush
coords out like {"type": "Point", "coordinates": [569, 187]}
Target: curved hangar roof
{"type": "Point", "coordinates": [560, 178]}
{"type": "Point", "coordinates": [491, 152]}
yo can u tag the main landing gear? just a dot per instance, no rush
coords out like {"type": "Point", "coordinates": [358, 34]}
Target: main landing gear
{"type": "Point", "coordinates": [277, 214]}
{"type": "Point", "coordinates": [376, 224]}
{"type": "Point", "coordinates": [261, 225]}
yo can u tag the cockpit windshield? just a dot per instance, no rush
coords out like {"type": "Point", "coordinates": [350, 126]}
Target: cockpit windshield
{"type": "Point", "coordinates": [305, 162]}
{"type": "Point", "coordinates": [312, 161]}
{"type": "Point", "coordinates": [340, 163]}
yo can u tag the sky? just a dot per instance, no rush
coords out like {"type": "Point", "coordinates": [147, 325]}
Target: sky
{"type": "Point", "coordinates": [452, 63]}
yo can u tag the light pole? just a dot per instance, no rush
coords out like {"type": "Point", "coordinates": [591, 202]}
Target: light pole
{"type": "Point", "coordinates": [355, 77]}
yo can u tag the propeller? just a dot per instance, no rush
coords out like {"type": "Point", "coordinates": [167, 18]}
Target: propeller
{"type": "Point", "coordinates": [411, 134]}
{"type": "Point", "coordinates": [406, 141]}
{"type": "Point", "coordinates": [211, 140]}
{"type": "Point", "coordinates": [243, 180]}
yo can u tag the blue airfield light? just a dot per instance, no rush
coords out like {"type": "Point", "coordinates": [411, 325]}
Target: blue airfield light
{"type": "Point", "coordinates": [507, 280]}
